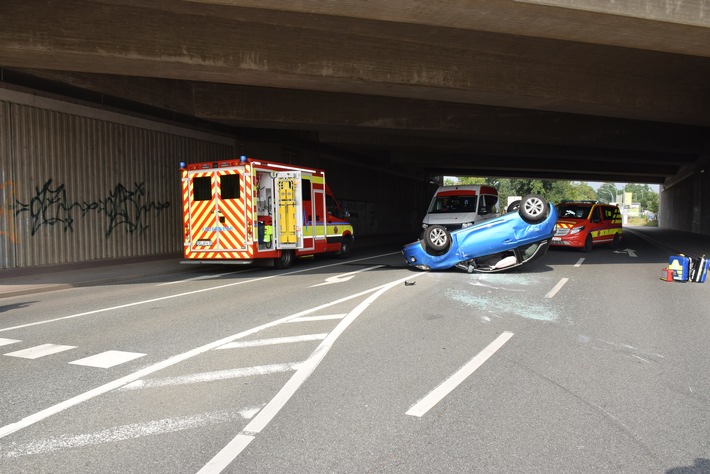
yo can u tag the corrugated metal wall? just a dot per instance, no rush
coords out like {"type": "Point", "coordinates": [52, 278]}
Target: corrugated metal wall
{"type": "Point", "coordinates": [80, 184]}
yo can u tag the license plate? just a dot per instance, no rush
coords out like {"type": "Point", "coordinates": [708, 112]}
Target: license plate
{"type": "Point", "coordinates": [203, 243]}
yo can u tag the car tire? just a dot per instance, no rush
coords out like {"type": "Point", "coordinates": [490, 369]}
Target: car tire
{"type": "Point", "coordinates": [285, 260]}
{"type": "Point", "coordinates": [437, 238]}
{"type": "Point", "coordinates": [513, 206]}
{"type": "Point", "coordinates": [533, 208]}
{"type": "Point", "coordinates": [615, 242]}
{"type": "Point", "coordinates": [588, 243]}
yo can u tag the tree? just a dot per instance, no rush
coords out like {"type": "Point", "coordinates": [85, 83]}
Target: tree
{"type": "Point", "coordinates": [644, 195]}
{"type": "Point", "coordinates": [553, 190]}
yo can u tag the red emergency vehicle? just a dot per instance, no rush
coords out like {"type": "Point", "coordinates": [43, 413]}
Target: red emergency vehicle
{"type": "Point", "coordinates": [243, 210]}
{"type": "Point", "coordinates": [584, 224]}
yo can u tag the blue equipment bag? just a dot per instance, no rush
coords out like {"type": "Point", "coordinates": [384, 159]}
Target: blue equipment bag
{"type": "Point", "coordinates": [680, 264]}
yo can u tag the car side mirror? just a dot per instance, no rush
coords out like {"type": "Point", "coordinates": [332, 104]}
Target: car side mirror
{"type": "Point", "coordinates": [483, 211]}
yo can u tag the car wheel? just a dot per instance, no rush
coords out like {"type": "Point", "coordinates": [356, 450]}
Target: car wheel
{"type": "Point", "coordinates": [285, 260]}
{"type": "Point", "coordinates": [533, 208]}
{"type": "Point", "coordinates": [615, 242]}
{"type": "Point", "coordinates": [346, 246]}
{"type": "Point", "coordinates": [513, 206]}
{"type": "Point", "coordinates": [588, 243]}
{"type": "Point", "coordinates": [437, 238]}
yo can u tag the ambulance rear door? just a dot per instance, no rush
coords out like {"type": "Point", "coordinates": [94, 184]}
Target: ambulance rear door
{"type": "Point", "coordinates": [289, 210]}
{"type": "Point", "coordinates": [217, 210]}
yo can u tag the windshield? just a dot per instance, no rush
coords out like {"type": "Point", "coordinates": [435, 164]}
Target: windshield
{"type": "Point", "coordinates": [452, 203]}
{"type": "Point", "coordinates": [572, 211]}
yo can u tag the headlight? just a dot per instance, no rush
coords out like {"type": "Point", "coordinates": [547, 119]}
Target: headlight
{"type": "Point", "coordinates": [576, 230]}
{"type": "Point", "coordinates": [466, 224]}
{"type": "Point", "coordinates": [424, 226]}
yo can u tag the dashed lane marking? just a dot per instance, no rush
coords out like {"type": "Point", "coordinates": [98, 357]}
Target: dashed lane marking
{"type": "Point", "coordinates": [108, 359]}
{"type": "Point", "coordinates": [7, 342]}
{"type": "Point", "coordinates": [420, 408]}
{"type": "Point", "coordinates": [40, 351]}
{"type": "Point", "coordinates": [557, 288]}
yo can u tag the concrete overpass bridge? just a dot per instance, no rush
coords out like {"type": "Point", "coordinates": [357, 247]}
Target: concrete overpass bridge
{"type": "Point", "coordinates": [592, 90]}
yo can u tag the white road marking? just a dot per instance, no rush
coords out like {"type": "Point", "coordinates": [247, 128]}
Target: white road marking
{"type": "Point", "coordinates": [274, 341]}
{"type": "Point", "coordinates": [579, 262]}
{"type": "Point", "coordinates": [317, 318]}
{"type": "Point", "coordinates": [108, 359]}
{"type": "Point", "coordinates": [40, 351]}
{"type": "Point", "coordinates": [345, 276]}
{"type": "Point", "coordinates": [81, 398]}
{"type": "Point", "coordinates": [125, 432]}
{"type": "Point", "coordinates": [557, 288]}
{"type": "Point", "coordinates": [213, 376]}
{"type": "Point", "coordinates": [242, 440]}
{"type": "Point", "coordinates": [187, 293]}
{"type": "Point", "coordinates": [6, 342]}
{"type": "Point", "coordinates": [435, 396]}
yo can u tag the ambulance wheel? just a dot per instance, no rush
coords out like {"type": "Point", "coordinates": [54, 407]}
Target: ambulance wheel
{"type": "Point", "coordinates": [346, 246]}
{"type": "Point", "coordinates": [437, 238]}
{"type": "Point", "coordinates": [588, 243]}
{"type": "Point", "coordinates": [285, 260]}
{"type": "Point", "coordinates": [533, 208]}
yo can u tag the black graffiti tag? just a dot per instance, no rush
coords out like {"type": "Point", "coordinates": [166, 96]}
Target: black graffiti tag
{"type": "Point", "coordinates": [123, 207]}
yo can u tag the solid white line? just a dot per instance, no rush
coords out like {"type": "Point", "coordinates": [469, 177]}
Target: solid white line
{"type": "Point", "coordinates": [557, 288]}
{"type": "Point", "coordinates": [59, 407]}
{"type": "Point", "coordinates": [317, 318]}
{"type": "Point", "coordinates": [227, 454]}
{"type": "Point", "coordinates": [40, 351]}
{"type": "Point", "coordinates": [274, 341]}
{"type": "Point", "coordinates": [206, 277]}
{"type": "Point", "coordinates": [108, 359]}
{"type": "Point", "coordinates": [188, 293]}
{"type": "Point", "coordinates": [579, 262]}
{"type": "Point", "coordinates": [237, 445]}
{"type": "Point", "coordinates": [213, 376]}
{"type": "Point", "coordinates": [436, 395]}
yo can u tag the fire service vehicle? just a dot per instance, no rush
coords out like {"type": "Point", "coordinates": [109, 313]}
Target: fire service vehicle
{"type": "Point", "coordinates": [246, 210]}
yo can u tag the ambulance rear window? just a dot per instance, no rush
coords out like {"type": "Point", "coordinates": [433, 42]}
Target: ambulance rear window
{"type": "Point", "coordinates": [229, 185]}
{"type": "Point", "coordinates": [202, 188]}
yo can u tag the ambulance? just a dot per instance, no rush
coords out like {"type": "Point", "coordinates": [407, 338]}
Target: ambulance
{"type": "Point", "coordinates": [244, 210]}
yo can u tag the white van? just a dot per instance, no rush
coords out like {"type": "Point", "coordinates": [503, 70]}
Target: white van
{"type": "Point", "coordinates": [456, 207]}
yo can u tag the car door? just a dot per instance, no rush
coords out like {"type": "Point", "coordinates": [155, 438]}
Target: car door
{"type": "Point", "coordinates": [597, 224]}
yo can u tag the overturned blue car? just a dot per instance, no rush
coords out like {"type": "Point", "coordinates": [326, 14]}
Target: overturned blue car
{"type": "Point", "coordinates": [519, 236]}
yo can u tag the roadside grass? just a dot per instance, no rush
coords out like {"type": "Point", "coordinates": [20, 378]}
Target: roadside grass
{"type": "Point", "coordinates": [642, 221]}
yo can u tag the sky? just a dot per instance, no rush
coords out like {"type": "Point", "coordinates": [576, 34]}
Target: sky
{"type": "Point", "coordinates": [596, 184]}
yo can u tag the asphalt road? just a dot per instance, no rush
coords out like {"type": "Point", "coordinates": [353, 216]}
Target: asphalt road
{"type": "Point", "coordinates": [579, 362]}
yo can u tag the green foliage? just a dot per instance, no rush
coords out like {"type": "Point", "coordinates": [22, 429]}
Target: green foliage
{"type": "Point", "coordinates": [556, 191]}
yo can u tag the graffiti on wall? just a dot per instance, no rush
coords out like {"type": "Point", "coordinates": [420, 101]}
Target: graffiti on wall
{"type": "Point", "coordinates": [125, 208]}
